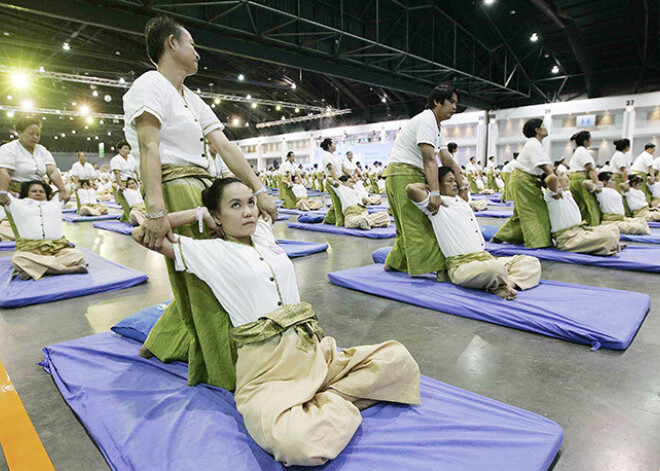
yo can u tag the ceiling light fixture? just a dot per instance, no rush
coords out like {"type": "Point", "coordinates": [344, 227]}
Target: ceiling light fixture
{"type": "Point", "coordinates": [534, 37]}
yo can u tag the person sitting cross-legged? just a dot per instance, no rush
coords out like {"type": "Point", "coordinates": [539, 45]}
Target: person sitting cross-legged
{"type": "Point", "coordinates": [460, 239]}
{"type": "Point", "coordinates": [353, 205]}
{"type": "Point", "coordinates": [303, 203]}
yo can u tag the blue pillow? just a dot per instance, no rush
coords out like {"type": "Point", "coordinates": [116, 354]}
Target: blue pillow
{"type": "Point", "coordinates": [138, 326]}
{"type": "Point", "coordinates": [313, 218]}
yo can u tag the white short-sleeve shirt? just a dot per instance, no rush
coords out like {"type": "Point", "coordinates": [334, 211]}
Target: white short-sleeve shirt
{"type": "Point", "coordinates": [532, 155]}
{"type": "Point", "coordinates": [348, 196]}
{"type": "Point", "coordinates": [581, 158]}
{"type": "Point", "coordinates": [126, 166]}
{"type": "Point", "coordinates": [299, 191]}
{"type": "Point", "coordinates": [636, 199]}
{"type": "Point", "coordinates": [421, 129]}
{"type": "Point", "coordinates": [249, 281]}
{"type": "Point", "coordinates": [455, 227]}
{"type": "Point", "coordinates": [25, 166]}
{"type": "Point", "coordinates": [133, 197]}
{"type": "Point", "coordinates": [86, 196]}
{"type": "Point", "coordinates": [490, 167]}
{"type": "Point", "coordinates": [334, 160]}
{"type": "Point", "coordinates": [85, 172]}
{"type": "Point", "coordinates": [362, 191]}
{"type": "Point", "coordinates": [655, 189]}
{"type": "Point", "coordinates": [287, 167]}
{"type": "Point", "coordinates": [37, 220]}
{"type": "Point", "coordinates": [620, 160]}
{"type": "Point", "coordinates": [611, 201]}
{"type": "Point", "coordinates": [564, 212]}
{"type": "Point", "coordinates": [508, 168]}
{"type": "Point", "coordinates": [184, 120]}
{"type": "Point", "coordinates": [350, 166]}
{"type": "Point", "coordinates": [470, 169]}
{"type": "Point", "coordinates": [656, 164]}
{"type": "Point", "coordinates": [643, 162]}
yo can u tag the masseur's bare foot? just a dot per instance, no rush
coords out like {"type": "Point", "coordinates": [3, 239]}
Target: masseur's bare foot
{"type": "Point", "coordinates": [505, 292]}
{"type": "Point", "coordinates": [145, 352]}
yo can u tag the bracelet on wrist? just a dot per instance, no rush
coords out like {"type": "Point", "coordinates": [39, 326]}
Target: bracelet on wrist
{"type": "Point", "coordinates": [464, 187]}
{"type": "Point", "coordinates": [4, 192]}
{"type": "Point", "coordinates": [259, 191]}
{"type": "Point", "coordinates": [434, 193]}
{"type": "Point", "coordinates": [156, 215]}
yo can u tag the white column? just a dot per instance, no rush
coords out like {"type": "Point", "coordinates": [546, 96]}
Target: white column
{"type": "Point", "coordinates": [629, 120]}
{"type": "Point", "coordinates": [547, 142]}
{"type": "Point", "coordinates": [493, 135]}
{"type": "Point", "coordinates": [262, 163]}
{"type": "Point", "coordinates": [481, 148]}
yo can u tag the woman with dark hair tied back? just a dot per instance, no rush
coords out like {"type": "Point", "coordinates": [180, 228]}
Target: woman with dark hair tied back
{"type": "Point", "coordinates": [530, 223]}
{"type": "Point", "coordinates": [166, 125]}
{"type": "Point", "coordinates": [621, 162]}
{"type": "Point", "coordinates": [300, 397]}
{"type": "Point", "coordinates": [24, 160]}
{"type": "Point", "coordinates": [582, 167]}
{"type": "Point", "coordinates": [643, 167]}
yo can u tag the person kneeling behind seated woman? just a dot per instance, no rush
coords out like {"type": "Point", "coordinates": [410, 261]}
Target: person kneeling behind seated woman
{"type": "Point", "coordinates": [353, 205]}
{"type": "Point", "coordinates": [636, 199]}
{"type": "Point", "coordinates": [41, 248]}
{"type": "Point", "coordinates": [300, 398]}
{"type": "Point", "coordinates": [461, 242]}
{"type": "Point", "coordinates": [570, 232]}
{"type": "Point", "coordinates": [135, 202]}
{"type": "Point", "coordinates": [88, 205]}
{"type": "Point", "coordinates": [303, 203]}
{"type": "Point", "coordinates": [611, 205]}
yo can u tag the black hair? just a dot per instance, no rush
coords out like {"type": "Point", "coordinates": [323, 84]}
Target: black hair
{"type": "Point", "coordinates": [316, 165]}
{"type": "Point", "coordinates": [81, 152]}
{"type": "Point", "coordinates": [604, 176]}
{"type": "Point", "coordinates": [473, 157]}
{"type": "Point", "coordinates": [491, 157]}
{"type": "Point", "coordinates": [83, 182]}
{"type": "Point", "coordinates": [289, 153]}
{"type": "Point", "coordinates": [621, 144]}
{"type": "Point", "coordinates": [581, 137]}
{"type": "Point", "coordinates": [443, 171]}
{"type": "Point", "coordinates": [440, 94]}
{"type": "Point", "coordinates": [648, 146]}
{"type": "Point", "coordinates": [121, 144]}
{"type": "Point", "coordinates": [452, 146]}
{"type": "Point", "coordinates": [325, 145]}
{"type": "Point", "coordinates": [515, 155]}
{"type": "Point", "coordinates": [25, 188]}
{"type": "Point", "coordinates": [506, 162]}
{"type": "Point", "coordinates": [156, 31]}
{"type": "Point", "coordinates": [129, 179]}
{"type": "Point", "coordinates": [343, 178]}
{"type": "Point", "coordinates": [558, 162]}
{"type": "Point", "coordinates": [25, 122]}
{"type": "Point", "coordinates": [530, 127]}
{"type": "Point", "coordinates": [349, 152]}
{"type": "Point", "coordinates": [212, 195]}
{"type": "Point", "coordinates": [635, 178]}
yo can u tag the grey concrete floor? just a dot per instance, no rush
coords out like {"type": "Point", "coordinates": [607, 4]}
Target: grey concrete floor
{"type": "Point", "coordinates": [608, 402]}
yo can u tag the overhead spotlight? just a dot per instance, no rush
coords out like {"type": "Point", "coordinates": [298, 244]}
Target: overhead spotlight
{"type": "Point", "coordinates": [489, 2]}
{"type": "Point", "coordinates": [6, 33]}
{"type": "Point", "coordinates": [107, 98]}
{"type": "Point", "coordinates": [84, 110]}
{"type": "Point", "coordinates": [249, 97]}
{"type": "Point", "coordinates": [235, 121]}
{"type": "Point", "coordinates": [73, 131]}
{"type": "Point", "coordinates": [534, 37]}
{"type": "Point", "coordinates": [96, 137]}
{"type": "Point", "coordinates": [55, 137]}
{"type": "Point", "coordinates": [41, 69]}
{"type": "Point", "coordinates": [117, 53]}
{"type": "Point", "coordinates": [101, 122]}
{"type": "Point", "coordinates": [241, 77]}
{"type": "Point", "coordinates": [283, 118]}
{"type": "Point", "coordinates": [86, 127]}
{"type": "Point", "coordinates": [555, 69]}
{"type": "Point", "coordinates": [121, 80]}
{"type": "Point", "coordinates": [297, 110]}
{"type": "Point", "coordinates": [254, 105]}
{"type": "Point", "coordinates": [58, 112]}
{"type": "Point", "coordinates": [89, 138]}
{"type": "Point", "coordinates": [89, 120]}
{"type": "Point", "coordinates": [10, 114]}
{"type": "Point", "coordinates": [63, 135]}
{"type": "Point", "coordinates": [27, 105]}
{"type": "Point", "coordinates": [109, 133]}
{"type": "Point", "coordinates": [73, 103]}
{"type": "Point", "coordinates": [384, 100]}
{"type": "Point", "coordinates": [217, 101]}
{"type": "Point", "coordinates": [212, 105]}
{"type": "Point", "coordinates": [95, 93]}
{"type": "Point", "coordinates": [293, 86]}
{"type": "Point", "coordinates": [70, 118]}
{"type": "Point", "coordinates": [199, 90]}
{"type": "Point", "coordinates": [66, 46]}
{"type": "Point", "coordinates": [278, 107]}
{"type": "Point", "coordinates": [43, 118]}
{"type": "Point", "coordinates": [9, 97]}
{"type": "Point", "coordinates": [20, 80]}
{"type": "Point", "coordinates": [247, 125]}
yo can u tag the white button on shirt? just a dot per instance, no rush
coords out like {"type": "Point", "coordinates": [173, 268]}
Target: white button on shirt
{"type": "Point", "coordinates": [636, 199]}
{"type": "Point", "coordinates": [620, 160]}
{"type": "Point", "coordinates": [455, 227]}
{"type": "Point", "coordinates": [564, 212]}
{"type": "Point", "coordinates": [83, 173]}
{"type": "Point", "coordinates": [421, 129]}
{"type": "Point", "coordinates": [126, 166]}
{"type": "Point", "coordinates": [611, 201]}
{"type": "Point", "coordinates": [642, 162]}
{"type": "Point", "coordinates": [184, 120]}
{"type": "Point", "coordinates": [334, 160]}
{"type": "Point", "coordinates": [581, 158]}
{"type": "Point", "coordinates": [26, 167]}
{"type": "Point", "coordinates": [37, 220]}
{"type": "Point", "coordinates": [249, 282]}
{"type": "Point", "coordinates": [531, 156]}
{"type": "Point", "coordinates": [348, 196]}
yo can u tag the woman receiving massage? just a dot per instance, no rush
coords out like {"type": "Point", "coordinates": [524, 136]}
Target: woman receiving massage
{"type": "Point", "coordinates": [299, 396]}
{"type": "Point", "coordinates": [41, 248]}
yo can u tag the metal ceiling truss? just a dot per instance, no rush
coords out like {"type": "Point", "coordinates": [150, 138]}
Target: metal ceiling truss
{"type": "Point", "coordinates": [383, 42]}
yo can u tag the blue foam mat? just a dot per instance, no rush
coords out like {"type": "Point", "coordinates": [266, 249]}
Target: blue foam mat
{"type": "Point", "coordinates": [494, 213]}
{"type": "Point", "coordinates": [142, 415]}
{"type": "Point", "coordinates": [104, 275]}
{"type": "Point", "coordinates": [282, 217]}
{"type": "Point", "coordinates": [297, 212]}
{"type": "Point", "coordinates": [9, 245]}
{"type": "Point", "coordinates": [377, 233]}
{"type": "Point", "coordinates": [582, 314]}
{"type": "Point", "coordinates": [652, 238]}
{"type": "Point", "coordinates": [75, 217]}
{"type": "Point", "coordinates": [115, 226]}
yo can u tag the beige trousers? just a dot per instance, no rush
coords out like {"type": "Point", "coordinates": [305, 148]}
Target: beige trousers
{"type": "Point", "coordinates": [375, 199]}
{"type": "Point", "coordinates": [521, 271]}
{"type": "Point", "coordinates": [486, 191]}
{"type": "Point", "coordinates": [93, 210]}
{"type": "Point", "coordinates": [6, 232]}
{"type": "Point", "coordinates": [631, 226]}
{"type": "Point", "coordinates": [37, 266]}
{"type": "Point", "coordinates": [135, 217]}
{"type": "Point", "coordinates": [367, 221]}
{"type": "Point", "coordinates": [649, 214]}
{"type": "Point", "coordinates": [308, 205]}
{"type": "Point", "coordinates": [479, 205]}
{"type": "Point", "coordinates": [303, 407]}
{"type": "Point", "coordinates": [596, 240]}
